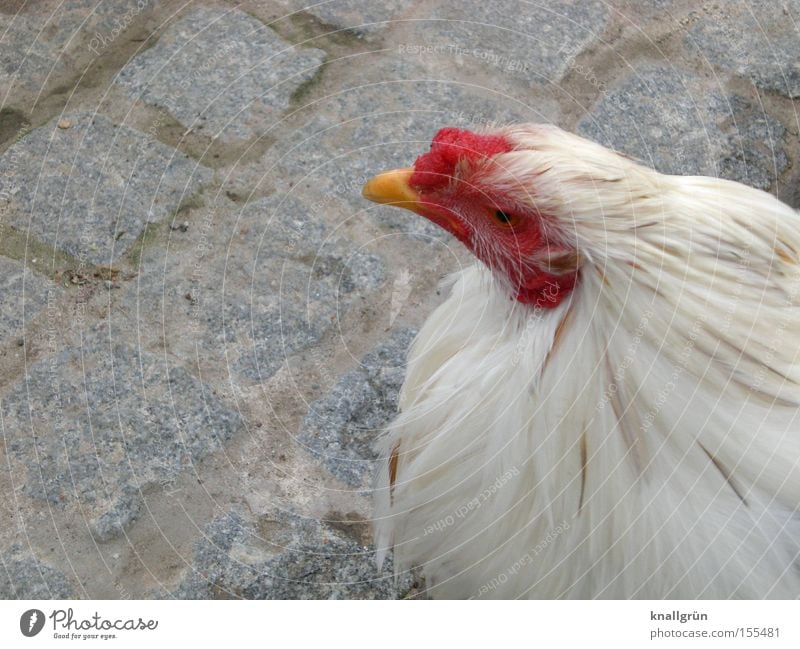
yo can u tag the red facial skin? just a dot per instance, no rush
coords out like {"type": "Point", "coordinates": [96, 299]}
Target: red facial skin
{"type": "Point", "coordinates": [502, 235]}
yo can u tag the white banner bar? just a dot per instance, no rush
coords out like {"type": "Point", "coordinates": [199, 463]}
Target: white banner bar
{"type": "Point", "coordinates": [384, 625]}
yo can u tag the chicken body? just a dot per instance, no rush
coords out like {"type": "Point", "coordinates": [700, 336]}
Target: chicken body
{"type": "Point", "coordinates": [635, 436]}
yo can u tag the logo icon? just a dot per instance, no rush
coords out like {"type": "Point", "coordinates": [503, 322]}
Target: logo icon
{"type": "Point", "coordinates": [31, 622]}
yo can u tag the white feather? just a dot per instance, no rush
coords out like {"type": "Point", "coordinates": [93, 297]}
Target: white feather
{"type": "Point", "coordinates": [639, 440]}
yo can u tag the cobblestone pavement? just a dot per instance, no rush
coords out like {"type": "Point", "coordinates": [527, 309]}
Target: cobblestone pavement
{"type": "Point", "coordinates": [203, 325]}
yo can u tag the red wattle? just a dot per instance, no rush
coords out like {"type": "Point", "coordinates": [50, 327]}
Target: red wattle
{"type": "Point", "coordinates": [545, 290]}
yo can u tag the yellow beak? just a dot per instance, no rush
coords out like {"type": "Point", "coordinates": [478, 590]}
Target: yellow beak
{"type": "Point", "coordinates": [393, 188]}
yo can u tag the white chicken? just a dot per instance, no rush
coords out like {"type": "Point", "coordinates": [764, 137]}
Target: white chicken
{"type": "Point", "coordinates": [607, 405]}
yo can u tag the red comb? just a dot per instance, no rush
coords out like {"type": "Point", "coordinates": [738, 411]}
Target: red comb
{"type": "Point", "coordinates": [449, 146]}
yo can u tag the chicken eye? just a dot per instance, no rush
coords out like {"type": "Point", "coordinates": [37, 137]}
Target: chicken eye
{"type": "Point", "coordinates": [503, 217]}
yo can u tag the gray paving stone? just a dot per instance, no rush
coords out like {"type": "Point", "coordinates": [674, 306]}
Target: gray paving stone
{"type": "Point", "coordinates": [341, 428]}
{"type": "Point", "coordinates": [21, 66]}
{"type": "Point", "coordinates": [24, 293]}
{"type": "Point", "coordinates": [58, 25]}
{"type": "Point", "coordinates": [221, 71]}
{"type": "Point", "coordinates": [675, 123]}
{"type": "Point", "coordinates": [300, 558]}
{"type": "Point", "coordinates": [363, 18]}
{"type": "Point", "coordinates": [32, 53]}
{"type": "Point", "coordinates": [24, 577]}
{"type": "Point", "coordinates": [531, 41]}
{"type": "Point", "coordinates": [94, 426]}
{"type": "Point", "coordinates": [264, 283]}
{"type": "Point", "coordinates": [44, 43]}
{"type": "Point", "coordinates": [300, 283]}
{"type": "Point", "coordinates": [90, 189]}
{"type": "Point", "coordinates": [757, 39]}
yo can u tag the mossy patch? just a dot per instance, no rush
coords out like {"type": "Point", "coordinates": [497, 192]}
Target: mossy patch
{"type": "Point", "coordinates": [13, 126]}
{"type": "Point", "coordinates": [42, 257]}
